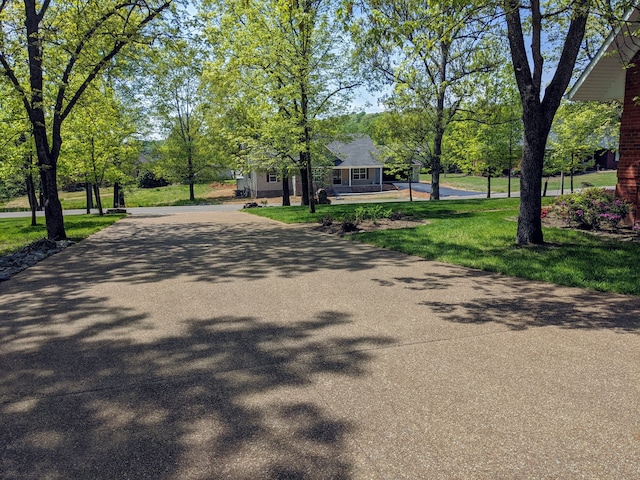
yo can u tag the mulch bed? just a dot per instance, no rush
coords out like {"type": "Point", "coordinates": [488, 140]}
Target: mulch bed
{"type": "Point", "coordinates": [337, 228]}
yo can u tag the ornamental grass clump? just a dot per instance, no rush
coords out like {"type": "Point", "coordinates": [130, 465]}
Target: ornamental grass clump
{"type": "Point", "coordinates": [592, 209]}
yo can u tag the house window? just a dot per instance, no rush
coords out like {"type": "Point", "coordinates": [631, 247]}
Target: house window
{"type": "Point", "coordinates": [337, 177]}
{"type": "Point", "coordinates": [359, 173]}
{"type": "Point", "coordinates": [272, 178]}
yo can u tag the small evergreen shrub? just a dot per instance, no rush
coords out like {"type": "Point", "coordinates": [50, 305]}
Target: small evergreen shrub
{"type": "Point", "coordinates": [592, 209]}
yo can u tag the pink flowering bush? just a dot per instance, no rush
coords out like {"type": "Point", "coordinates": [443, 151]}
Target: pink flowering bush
{"type": "Point", "coordinates": [592, 209]}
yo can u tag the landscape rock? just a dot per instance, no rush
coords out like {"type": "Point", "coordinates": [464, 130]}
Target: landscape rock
{"type": "Point", "coordinates": [29, 255]}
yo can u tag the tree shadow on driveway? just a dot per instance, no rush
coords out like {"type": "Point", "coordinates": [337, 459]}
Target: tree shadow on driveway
{"type": "Point", "coordinates": [521, 304]}
{"type": "Point", "coordinates": [94, 387]}
{"type": "Point", "coordinates": [223, 400]}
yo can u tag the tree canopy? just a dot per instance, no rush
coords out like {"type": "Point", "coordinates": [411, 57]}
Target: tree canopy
{"type": "Point", "coordinates": [50, 53]}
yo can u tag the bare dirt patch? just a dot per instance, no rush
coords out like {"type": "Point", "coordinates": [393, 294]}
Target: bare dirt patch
{"type": "Point", "coordinates": [340, 228]}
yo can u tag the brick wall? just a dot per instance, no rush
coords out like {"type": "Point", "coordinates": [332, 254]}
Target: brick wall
{"type": "Point", "coordinates": [629, 165]}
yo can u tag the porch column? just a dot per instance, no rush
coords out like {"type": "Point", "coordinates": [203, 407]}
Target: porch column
{"type": "Point", "coordinates": [628, 187]}
{"type": "Point", "coordinates": [350, 176]}
{"type": "Point", "coordinates": [380, 178]}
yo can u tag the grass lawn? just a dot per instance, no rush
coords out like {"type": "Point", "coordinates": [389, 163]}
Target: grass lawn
{"type": "Point", "coordinates": [481, 234]}
{"type": "Point", "coordinates": [18, 232]}
{"type": "Point", "coordinates": [172, 195]}
{"type": "Point", "coordinates": [499, 185]}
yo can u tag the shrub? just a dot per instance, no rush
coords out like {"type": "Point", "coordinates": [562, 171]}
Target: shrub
{"type": "Point", "coordinates": [148, 179]}
{"type": "Point", "coordinates": [372, 212]}
{"type": "Point", "coordinates": [326, 220]}
{"type": "Point", "coordinates": [349, 223]}
{"type": "Point", "coordinates": [591, 209]}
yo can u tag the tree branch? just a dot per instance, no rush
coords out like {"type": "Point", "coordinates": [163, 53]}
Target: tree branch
{"type": "Point", "coordinates": [108, 57]}
{"type": "Point", "coordinates": [11, 75]}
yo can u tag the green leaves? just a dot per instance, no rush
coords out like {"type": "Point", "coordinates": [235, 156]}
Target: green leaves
{"type": "Point", "coordinates": [579, 129]}
{"type": "Point", "coordinates": [280, 67]}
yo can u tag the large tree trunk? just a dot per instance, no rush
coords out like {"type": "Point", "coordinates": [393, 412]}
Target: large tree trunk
{"type": "Point", "coordinates": [47, 157]}
{"type": "Point", "coordinates": [437, 152]}
{"type": "Point", "coordinates": [52, 206]}
{"type": "Point", "coordinates": [538, 114]}
{"type": "Point", "coordinates": [529, 220]}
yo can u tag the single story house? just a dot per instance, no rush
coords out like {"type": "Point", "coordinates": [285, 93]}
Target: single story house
{"type": "Point", "coordinates": [353, 167]}
{"type": "Point", "coordinates": [356, 168]}
{"type": "Point", "coordinates": [257, 184]}
{"type": "Point", "coordinates": [614, 74]}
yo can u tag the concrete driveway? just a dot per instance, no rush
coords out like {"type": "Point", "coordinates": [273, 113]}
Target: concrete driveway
{"type": "Point", "coordinates": [219, 345]}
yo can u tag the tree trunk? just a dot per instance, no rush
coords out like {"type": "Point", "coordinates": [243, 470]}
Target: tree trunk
{"type": "Point", "coordinates": [33, 200]}
{"type": "Point", "coordinates": [47, 156]}
{"type": "Point", "coordinates": [305, 185]}
{"type": "Point", "coordinates": [437, 153]}
{"type": "Point", "coordinates": [286, 194]}
{"type": "Point", "coordinates": [96, 191]}
{"type": "Point", "coordinates": [546, 184]}
{"type": "Point", "coordinates": [191, 173]}
{"type": "Point", "coordinates": [116, 195]}
{"type": "Point", "coordinates": [89, 196]}
{"type": "Point", "coordinates": [41, 194]}
{"type": "Point", "coordinates": [488, 185]}
{"type": "Point", "coordinates": [571, 179]}
{"type": "Point", "coordinates": [52, 206]}
{"type": "Point", "coordinates": [561, 183]}
{"type": "Point", "coordinates": [510, 160]}
{"type": "Point", "coordinates": [310, 191]}
{"type": "Point", "coordinates": [537, 115]}
{"type": "Point", "coordinates": [529, 221]}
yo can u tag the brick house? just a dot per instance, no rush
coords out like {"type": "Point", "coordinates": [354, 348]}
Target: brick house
{"type": "Point", "coordinates": [614, 74]}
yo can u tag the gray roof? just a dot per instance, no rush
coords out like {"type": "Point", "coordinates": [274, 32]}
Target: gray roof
{"type": "Point", "coordinates": [604, 77]}
{"type": "Point", "coordinates": [357, 152]}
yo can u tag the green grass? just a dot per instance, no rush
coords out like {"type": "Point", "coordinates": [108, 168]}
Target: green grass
{"type": "Point", "coordinates": [499, 184]}
{"type": "Point", "coordinates": [481, 234]}
{"type": "Point", "coordinates": [172, 195]}
{"type": "Point", "coordinates": [300, 214]}
{"type": "Point", "coordinates": [18, 232]}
